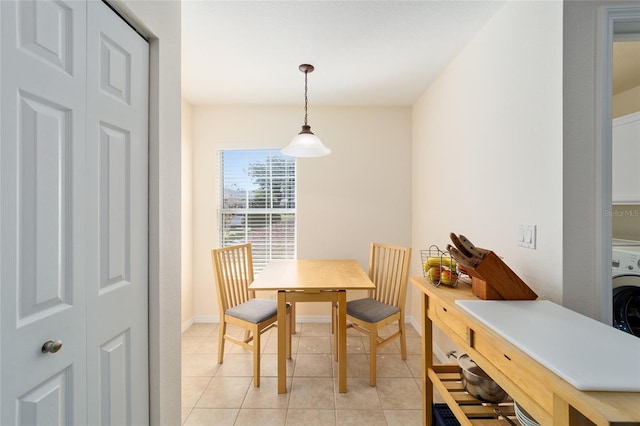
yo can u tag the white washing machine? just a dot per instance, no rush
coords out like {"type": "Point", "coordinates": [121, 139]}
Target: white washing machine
{"type": "Point", "coordinates": [626, 285]}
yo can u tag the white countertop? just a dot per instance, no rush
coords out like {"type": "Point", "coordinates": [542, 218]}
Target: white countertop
{"type": "Point", "coordinates": [588, 354]}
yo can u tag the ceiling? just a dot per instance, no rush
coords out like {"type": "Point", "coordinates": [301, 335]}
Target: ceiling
{"type": "Point", "coordinates": [364, 52]}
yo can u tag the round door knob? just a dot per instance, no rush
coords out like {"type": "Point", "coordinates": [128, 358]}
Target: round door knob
{"type": "Point", "coordinates": [51, 346]}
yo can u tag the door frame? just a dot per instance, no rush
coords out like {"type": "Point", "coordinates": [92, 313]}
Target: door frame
{"type": "Point", "coordinates": [608, 17]}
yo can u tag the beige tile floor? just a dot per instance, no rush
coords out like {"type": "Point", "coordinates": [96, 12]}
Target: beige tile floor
{"type": "Point", "coordinates": [223, 394]}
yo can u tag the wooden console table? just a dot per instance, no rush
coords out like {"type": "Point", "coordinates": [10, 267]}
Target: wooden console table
{"type": "Point", "coordinates": [543, 394]}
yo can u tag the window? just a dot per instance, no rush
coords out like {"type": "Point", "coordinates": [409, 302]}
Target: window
{"type": "Point", "coordinates": [258, 203]}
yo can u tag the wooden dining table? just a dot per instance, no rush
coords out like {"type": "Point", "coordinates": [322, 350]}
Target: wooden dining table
{"type": "Point", "coordinates": [313, 280]}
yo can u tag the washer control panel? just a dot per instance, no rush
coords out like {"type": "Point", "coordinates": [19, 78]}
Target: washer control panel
{"type": "Point", "coordinates": [625, 260]}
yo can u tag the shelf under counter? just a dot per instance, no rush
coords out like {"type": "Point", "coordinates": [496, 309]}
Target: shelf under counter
{"type": "Point", "coordinates": [469, 411]}
{"type": "Point", "coordinates": [546, 396]}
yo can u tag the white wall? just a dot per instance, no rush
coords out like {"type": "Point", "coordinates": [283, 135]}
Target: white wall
{"type": "Point", "coordinates": [359, 194]}
{"type": "Point", "coordinates": [187, 218]}
{"type": "Point", "coordinates": [487, 145]}
{"type": "Point", "coordinates": [626, 102]}
{"type": "Point", "coordinates": [160, 22]}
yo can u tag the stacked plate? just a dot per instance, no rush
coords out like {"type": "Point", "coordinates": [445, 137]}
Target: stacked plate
{"type": "Point", "coordinates": [523, 417]}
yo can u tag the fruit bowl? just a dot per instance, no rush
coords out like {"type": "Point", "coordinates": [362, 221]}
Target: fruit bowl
{"type": "Point", "coordinates": [439, 267]}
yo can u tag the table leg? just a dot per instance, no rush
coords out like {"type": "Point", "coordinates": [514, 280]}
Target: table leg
{"type": "Point", "coordinates": [427, 362]}
{"type": "Point", "coordinates": [342, 341]}
{"type": "Point", "coordinates": [565, 415]}
{"type": "Point", "coordinates": [282, 341]}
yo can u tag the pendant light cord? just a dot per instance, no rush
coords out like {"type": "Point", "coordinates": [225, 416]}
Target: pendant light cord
{"type": "Point", "coordinates": [305, 98]}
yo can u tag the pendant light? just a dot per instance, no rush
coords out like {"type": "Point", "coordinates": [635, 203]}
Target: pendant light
{"type": "Point", "coordinates": [305, 143]}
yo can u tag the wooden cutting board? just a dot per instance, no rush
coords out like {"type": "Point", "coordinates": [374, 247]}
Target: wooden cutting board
{"type": "Point", "coordinates": [588, 354]}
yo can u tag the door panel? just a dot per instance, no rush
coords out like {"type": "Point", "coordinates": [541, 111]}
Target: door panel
{"type": "Point", "coordinates": [115, 384]}
{"type": "Point", "coordinates": [42, 158]}
{"type": "Point", "coordinates": [44, 29]}
{"type": "Point", "coordinates": [48, 403]}
{"type": "Point", "coordinates": [117, 129]}
{"type": "Point", "coordinates": [115, 71]}
{"type": "Point", "coordinates": [115, 157]}
{"type": "Point", "coordinates": [46, 255]}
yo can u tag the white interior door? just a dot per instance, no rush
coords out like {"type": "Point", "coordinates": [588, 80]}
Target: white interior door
{"type": "Point", "coordinates": [43, 80]}
{"type": "Point", "coordinates": [72, 216]}
{"type": "Point", "coordinates": [117, 117]}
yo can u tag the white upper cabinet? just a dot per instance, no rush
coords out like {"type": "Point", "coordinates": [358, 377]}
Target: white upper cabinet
{"type": "Point", "coordinates": [626, 159]}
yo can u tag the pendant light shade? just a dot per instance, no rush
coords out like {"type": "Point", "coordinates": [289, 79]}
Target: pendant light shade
{"type": "Point", "coordinates": [305, 143]}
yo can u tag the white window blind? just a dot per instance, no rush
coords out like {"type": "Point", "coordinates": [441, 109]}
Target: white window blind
{"type": "Point", "coordinates": [258, 203]}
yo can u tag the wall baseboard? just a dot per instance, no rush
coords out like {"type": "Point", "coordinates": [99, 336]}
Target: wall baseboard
{"type": "Point", "coordinates": [310, 319]}
{"type": "Point", "coordinates": [416, 325]}
{"type": "Point", "coordinates": [204, 319]}
{"type": "Point", "coordinates": [314, 319]}
{"type": "Point", "coordinates": [440, 355]}
{"type": "Point", "coordinates": [187, 324]}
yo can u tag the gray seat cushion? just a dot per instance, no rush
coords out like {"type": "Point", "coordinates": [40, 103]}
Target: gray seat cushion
{"type": "Point", "coordinates": [370, 310]}
{"type": "Point", "coordinates": [254, 310]}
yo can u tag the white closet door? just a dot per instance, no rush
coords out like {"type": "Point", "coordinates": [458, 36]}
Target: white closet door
{"type": "Point", "coordinates": [43, 85]}
{"type": "Point", "coordinates": [117, 284]}
{"type": "Point", "coordinates": [73, 215]}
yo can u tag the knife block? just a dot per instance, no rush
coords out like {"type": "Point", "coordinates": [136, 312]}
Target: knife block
{"type": "Point", "coordinates": [492, 279]}
{"type": "Point", "coordinates": [480, 289]}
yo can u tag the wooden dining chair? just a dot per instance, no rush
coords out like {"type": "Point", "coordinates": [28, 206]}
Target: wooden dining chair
{"type": "Point", "coordinates": [389, 271]}
{"type": "Point", "coordinates": [233, 273]}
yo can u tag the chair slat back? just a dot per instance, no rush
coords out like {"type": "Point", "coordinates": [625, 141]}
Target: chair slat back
{"type": "Point", "coordinates": [233, 272]}
{"type": "Point", "coordinates": [389, 271]}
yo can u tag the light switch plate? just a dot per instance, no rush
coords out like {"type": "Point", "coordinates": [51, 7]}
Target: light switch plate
{"type": "Point", "coordinates": [527, 236]}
